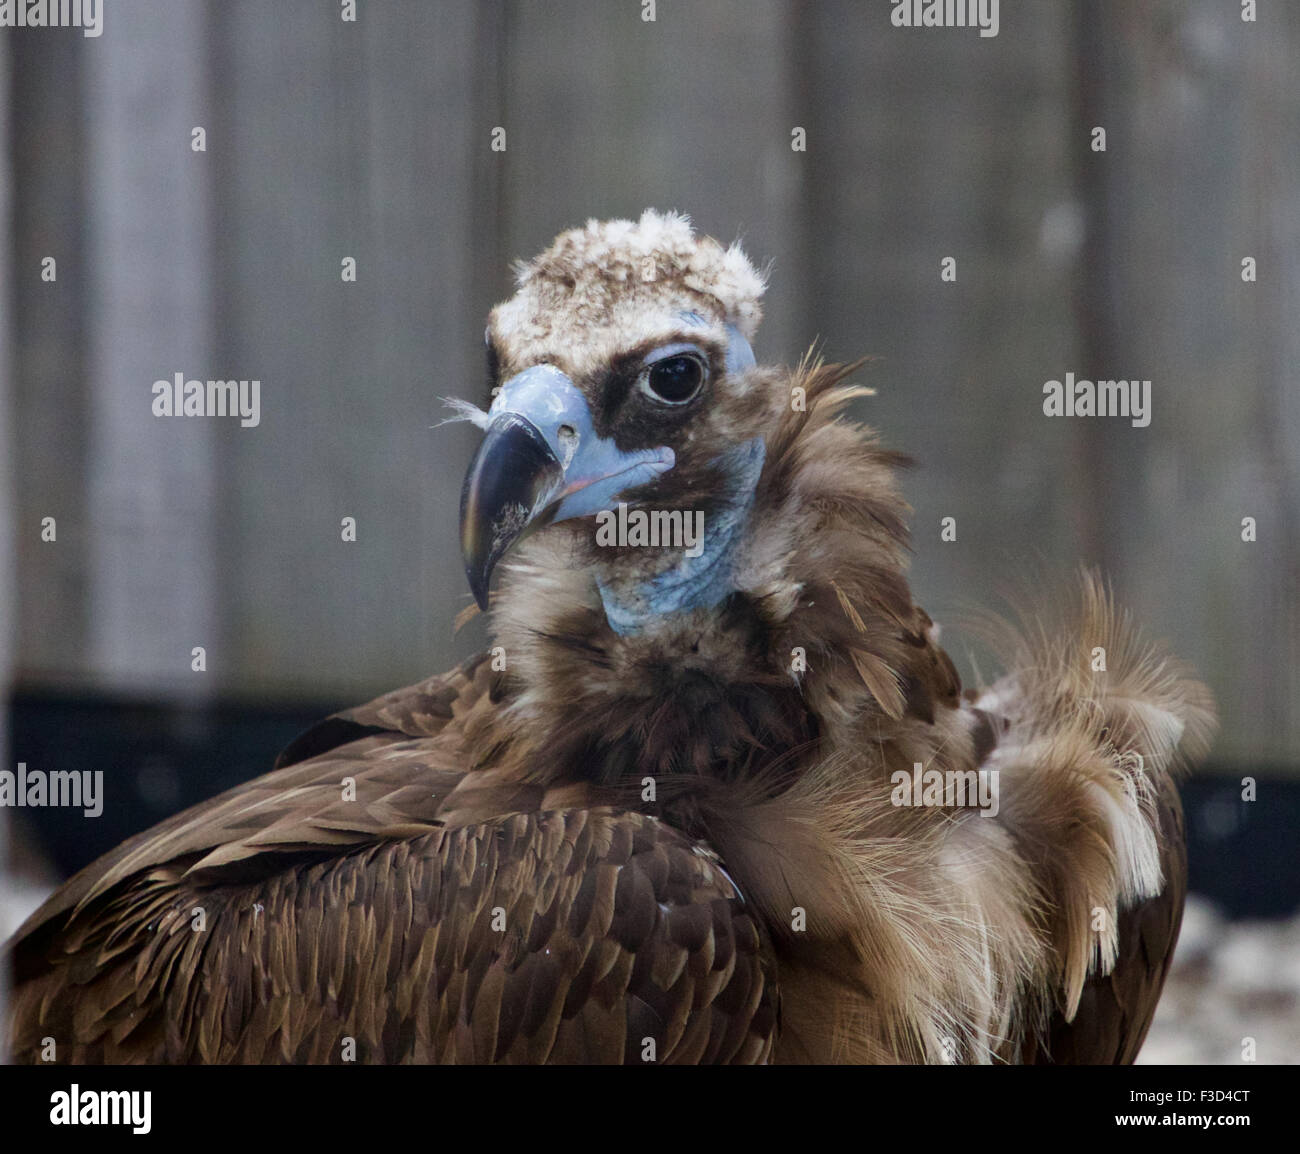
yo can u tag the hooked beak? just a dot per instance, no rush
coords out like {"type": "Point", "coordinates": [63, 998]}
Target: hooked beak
{"type": "Point", "coordinates": [540, 462]}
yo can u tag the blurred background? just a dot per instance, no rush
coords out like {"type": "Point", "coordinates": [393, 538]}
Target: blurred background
{"type": "Point", "coordinates": [327, 138]}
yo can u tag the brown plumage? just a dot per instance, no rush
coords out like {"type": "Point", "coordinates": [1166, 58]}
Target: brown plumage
{"type": "Point", "coordinates": [681, 839]}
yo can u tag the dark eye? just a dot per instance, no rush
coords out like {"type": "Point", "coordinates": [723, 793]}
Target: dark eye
{"type": "Point", "coordinates": [674, 380]}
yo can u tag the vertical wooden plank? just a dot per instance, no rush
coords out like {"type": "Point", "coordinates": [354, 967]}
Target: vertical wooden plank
{"type": "Point", "coordinates": [345, 140]}
{"type": "Point", "coordinates": [1103, 99]}
{"type": "Point", "coordinates": [152, 579]}
{"type": "Point", "coordinates": [1201, 171]}
{"type": "Point", "coordinates": [8, 569]}
{"type": "Point", "coordinates": [926, 144]}
{"type": "Point", "coordinates": [49, 391]}
{"type": "Point", "coordinates": [610, 114]}
{"type": "Point", "coordinates": [487, 242]}
{"type": "Point", "coordinates": [1274, 193]}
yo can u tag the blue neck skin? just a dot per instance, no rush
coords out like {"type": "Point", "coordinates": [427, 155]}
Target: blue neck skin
{"type": "Point", "coordinates": [694, 582]}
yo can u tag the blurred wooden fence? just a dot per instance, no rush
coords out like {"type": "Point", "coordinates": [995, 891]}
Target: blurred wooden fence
{"type": "Point", "coordinates": [327, 139]}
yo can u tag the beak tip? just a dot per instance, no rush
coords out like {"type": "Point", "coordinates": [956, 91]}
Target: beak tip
{"type": "Point", "coordinates": [480, 591]}
{"type": "Point", "coordinates": [509, 479]}
{"type": "Point", "coordinates": [478, 568]}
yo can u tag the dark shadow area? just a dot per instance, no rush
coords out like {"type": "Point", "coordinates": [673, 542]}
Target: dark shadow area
{"type": "Point", "coordinates": [160, 759]}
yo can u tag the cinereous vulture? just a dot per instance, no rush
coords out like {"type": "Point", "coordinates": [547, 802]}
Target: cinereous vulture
{"type": "Point", "coordinates": [715, 792]}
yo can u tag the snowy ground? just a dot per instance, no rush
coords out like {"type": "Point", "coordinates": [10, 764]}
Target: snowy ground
{"type": "Point", "coordinates": [1231, 982]}
{"type": "Point", "coordinates": [18, 898]}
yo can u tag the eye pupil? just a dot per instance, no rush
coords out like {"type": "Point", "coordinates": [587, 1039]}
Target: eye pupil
{"type": "Point", "coordinates": [676, 378]}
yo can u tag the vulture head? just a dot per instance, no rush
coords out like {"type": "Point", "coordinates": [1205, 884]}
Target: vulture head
{"type": "Point", "coordinates": [623, 375]}
{"type": "Point", "coordinates": [700, 564]}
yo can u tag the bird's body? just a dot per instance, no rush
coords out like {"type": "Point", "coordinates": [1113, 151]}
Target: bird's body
{"type": "Point", "coordinates": [670, 816]}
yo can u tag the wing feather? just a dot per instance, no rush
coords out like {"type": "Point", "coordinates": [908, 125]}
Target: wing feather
{"type": "Point", "coordinates": [275, 922]}
{"type": "Point", "coordinates": [459, 945]}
